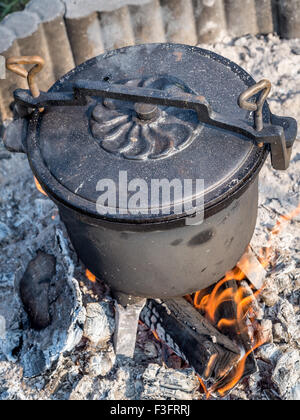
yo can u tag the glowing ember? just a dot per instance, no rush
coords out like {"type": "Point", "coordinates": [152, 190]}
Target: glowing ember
{"type": "Point", "coordinates": [203, 387]}
{"type": "Point", "coordinates": [39, 187]}
{"type": "Point", "coordinates": [155, 335]}
{"type": "Point", "coordinates": [90, 276]}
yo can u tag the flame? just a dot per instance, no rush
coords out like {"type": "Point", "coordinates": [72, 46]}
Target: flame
{"type": "Point", "coordinates": [210, 304]}
{"type": "Point", "coordinates": [39, 187]}
{"type": "Point", "coordinates": [90, 276]}
{"type": "Point", "coordinates": [155, 335]}
{"type": "Point", "coordinates": [239, 371]}
{"type": "Point", "coordinates": [205, 390]}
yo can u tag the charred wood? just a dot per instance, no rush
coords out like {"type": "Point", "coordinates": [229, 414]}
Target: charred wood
{"type": "Point", "coordinates": [192, 337]}
{"type": "Point", "coordinates": [34, 289]}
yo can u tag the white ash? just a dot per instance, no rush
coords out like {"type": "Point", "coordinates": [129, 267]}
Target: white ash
{"type": "Point", "coordinates": [277, 60]}
{"type": "Point", "coordinates": [71, 359]}
{"type": "Point", "coordinates": [161, 383]}
{"type": "Point", "coordinates": [99, 324]}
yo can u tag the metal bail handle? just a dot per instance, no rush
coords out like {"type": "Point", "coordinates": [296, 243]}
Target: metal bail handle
{"type": "Point", "coordinates": [264, 86]}
{"type": "Point", "coordinates": [280, 133]}
{"type": "Point", "coordinates": [14, 64]}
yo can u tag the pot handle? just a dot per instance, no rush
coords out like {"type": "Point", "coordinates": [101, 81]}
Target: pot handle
{"type": "Point", "coordinates": [280, 136]}
{"type": "Point", "coordinates": [264, 88]}
{"type": "Point", "coordinates": [14, 64]}
{"type": "Point", "coordinates": [14, 134]}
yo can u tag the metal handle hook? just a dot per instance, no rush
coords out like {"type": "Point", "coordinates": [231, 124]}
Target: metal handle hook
{"type": "Point", "coordinates": [264, 86]}
{"type": "Point", "coordinates": [13, 64]}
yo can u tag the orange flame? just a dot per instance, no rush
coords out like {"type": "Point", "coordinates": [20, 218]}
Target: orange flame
{"type": "Point", "coordinates": [205, 390]}
{"type": "Point", "coordinates": [155, 335]}
{"type": "Point", "coordinates": [90, 276]}
{"type": "Point", "coordinates": [209, 304]}
{"type": "Point", "coordinates": [39, 187]}
{"type": "Point", "coordinates": [238, 372]}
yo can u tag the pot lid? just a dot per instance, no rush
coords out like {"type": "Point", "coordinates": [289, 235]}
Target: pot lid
{"type": "Point", "coordinates": [103, 155]}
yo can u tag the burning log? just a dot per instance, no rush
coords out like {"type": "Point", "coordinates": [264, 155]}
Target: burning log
{"type": "Point", "coordinates": [239, 331]}
{"type": "Point", "coordinates": [192, 337]}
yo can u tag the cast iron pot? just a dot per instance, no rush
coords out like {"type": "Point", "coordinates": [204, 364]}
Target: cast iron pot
{"type": "Point", "coordinates": [162, 111]}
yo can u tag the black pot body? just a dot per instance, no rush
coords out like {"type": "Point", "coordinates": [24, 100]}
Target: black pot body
{"type": "Point", "coordinates": [165, 259]}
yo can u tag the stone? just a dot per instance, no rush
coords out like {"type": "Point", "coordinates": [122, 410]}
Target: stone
{"type": "Point", "coordinates": [289, 18]}
{"type": "Point", "coordinates": [210, 20]}
{"type": "Point", "coordinates": [241, 17]}
{"type": "Point", "coordinates": [85, 37]}
{"type": "Point", "coordinates": [7, 38]}
{"type": "Point", "coordinates": [80, 8]}
{"type": "Point", "coordinates": [46, 10]}
{"type": "Point", "coordinates": [62, 57]}
{"type": "Point", "coordinates": [264, 15]}
{"type": "Point", "coordinates": [99, 325]}
{"type": "Point", "coordinates": [117, 29]}
{"type": "Point", "coordinates": [147, 23]}
{"type": "Point", "coordinates": [180, 25]}
{"type": "Point", "coordinates": [22, 24]}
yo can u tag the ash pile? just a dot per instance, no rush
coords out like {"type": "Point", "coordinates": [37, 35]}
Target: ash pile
{"type": "Point", "coordinates": [57, 323]}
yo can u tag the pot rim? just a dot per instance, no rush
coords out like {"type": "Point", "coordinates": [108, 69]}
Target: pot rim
{"type": "Point", "coordinates": [61, 194]}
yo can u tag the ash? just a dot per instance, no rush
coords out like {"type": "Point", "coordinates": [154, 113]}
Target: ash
{"type": "Point", "coordinates": [73, 357]}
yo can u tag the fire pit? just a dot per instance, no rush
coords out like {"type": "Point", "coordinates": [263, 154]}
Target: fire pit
{"type": "Point", "coordinates": [215, 345]}
{"type": "Point", "coordinates": [145, 123]}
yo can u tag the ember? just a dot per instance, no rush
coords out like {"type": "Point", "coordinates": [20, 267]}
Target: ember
{"type": "Point", "coordinates": [90, 276]}
{"type": "Point", "coordinates": [39, 187]}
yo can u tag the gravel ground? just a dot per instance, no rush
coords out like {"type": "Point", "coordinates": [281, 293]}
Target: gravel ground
{"type": "Point", "coordinates": [69, 359]}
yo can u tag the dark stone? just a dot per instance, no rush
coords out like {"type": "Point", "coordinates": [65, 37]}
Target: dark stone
{"type": "Point", "coordinates": [34, 289]}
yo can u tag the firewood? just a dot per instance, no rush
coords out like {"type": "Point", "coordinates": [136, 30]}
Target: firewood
{"type": "Point", "coordinates": [192, 337]}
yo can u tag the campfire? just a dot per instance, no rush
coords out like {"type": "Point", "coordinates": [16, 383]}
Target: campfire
{"type": "Point", "coordinates": [231, 308]}
{"type": "Point", "coordinates": [131, 300]}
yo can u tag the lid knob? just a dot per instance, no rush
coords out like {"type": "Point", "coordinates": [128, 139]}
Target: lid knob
{"type": "Point", "coordinates": [146, 111]}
